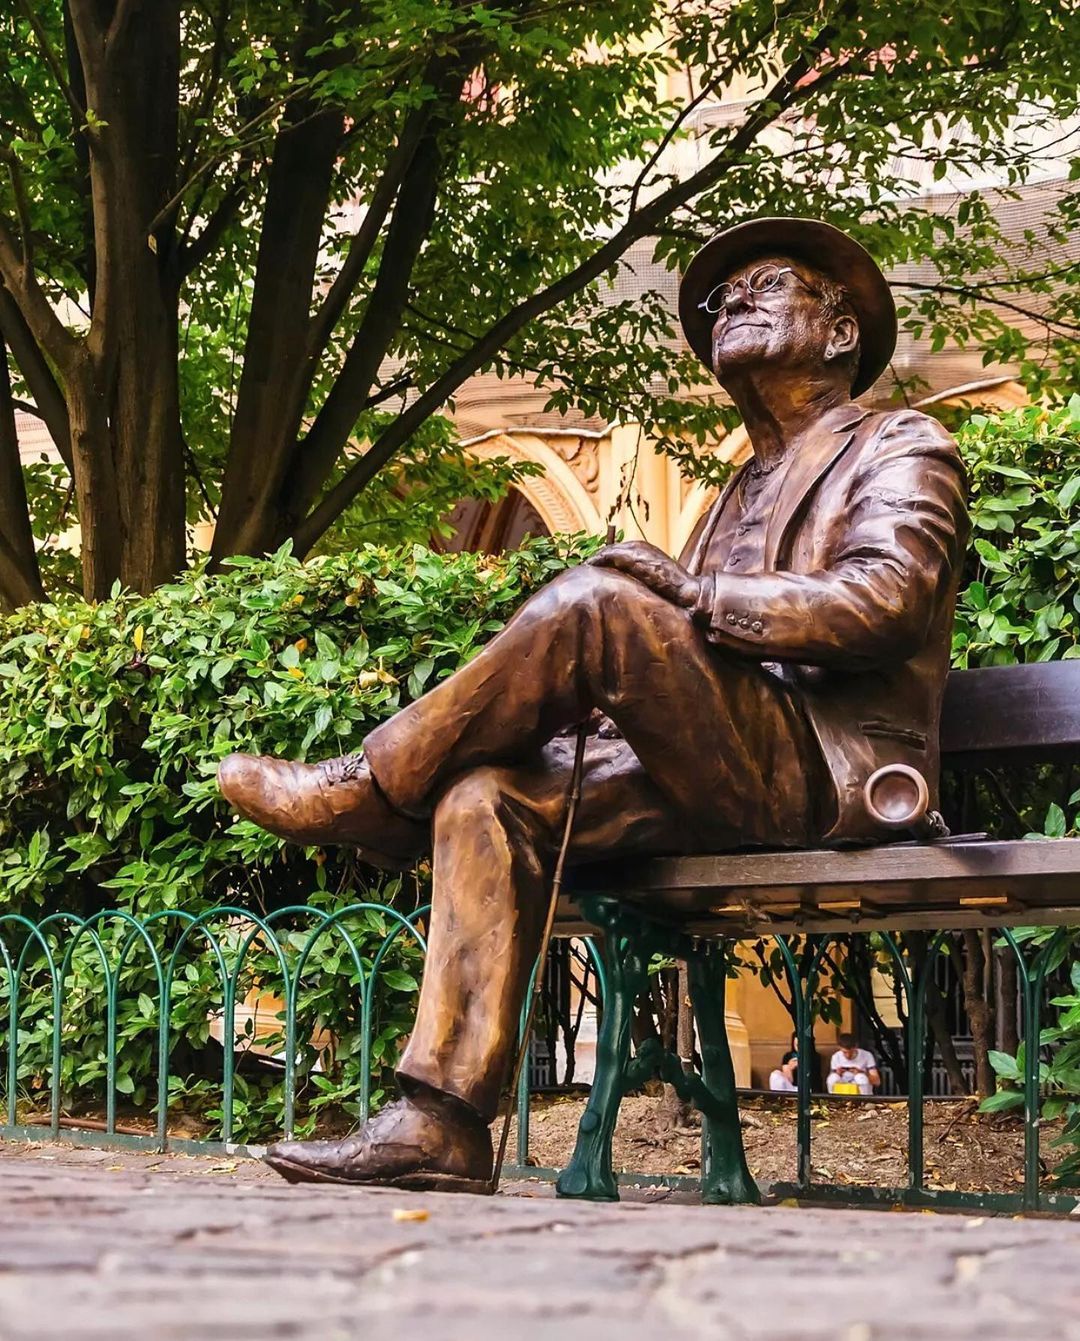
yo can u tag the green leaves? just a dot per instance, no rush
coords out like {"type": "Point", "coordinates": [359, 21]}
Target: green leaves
{"type": "Point", "coordinates": [1004, 1066]}
{"type": "Point", "coordinates": [108, 794]}
{"type": "Point", "coordinates": [1022, 598]}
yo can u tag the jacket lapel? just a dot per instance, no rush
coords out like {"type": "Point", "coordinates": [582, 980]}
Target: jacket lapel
{"type": "Point", "coordinates": [802, 476]}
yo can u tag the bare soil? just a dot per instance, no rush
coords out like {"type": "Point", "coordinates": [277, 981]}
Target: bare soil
{"type": "Point", "coordinates": [852, 1142]}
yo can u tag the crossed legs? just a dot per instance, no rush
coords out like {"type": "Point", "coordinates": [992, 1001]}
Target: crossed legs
{"type": "Point", "coordinates": [715, 754]}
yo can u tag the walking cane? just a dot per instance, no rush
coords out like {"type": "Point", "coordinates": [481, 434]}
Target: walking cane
{"type": "Point", "coordinates": [545, 941]}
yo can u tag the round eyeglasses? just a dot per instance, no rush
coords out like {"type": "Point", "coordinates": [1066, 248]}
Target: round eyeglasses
{"type": "Point", "coordinates": [761, 280]}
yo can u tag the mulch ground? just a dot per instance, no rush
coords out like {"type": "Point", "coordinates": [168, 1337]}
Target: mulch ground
{"type": "Point", "coordinates": [852, 1142]}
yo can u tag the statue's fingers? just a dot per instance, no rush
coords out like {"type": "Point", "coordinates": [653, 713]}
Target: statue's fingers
{"type": "Point", "coordinates": [612, 558]}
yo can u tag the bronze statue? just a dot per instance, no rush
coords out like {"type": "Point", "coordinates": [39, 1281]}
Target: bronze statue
{"type": "Point", "coordinates": [754, 685]}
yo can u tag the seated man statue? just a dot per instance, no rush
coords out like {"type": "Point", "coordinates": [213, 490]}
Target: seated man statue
{"type": "Point", "coordinates": [800, 644]}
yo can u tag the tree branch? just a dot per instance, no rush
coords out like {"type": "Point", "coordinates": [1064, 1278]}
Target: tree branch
{"type": "Point", "coordinates": [120, 20]}
{"type": "Point", "coordinates": [22, 208]}
{"type": "Point", "coordinates": [20, 574]}
{"type": "Point", "coordinates": [363, 241]}
{"type": "Point", "coordinates": [782, 95]}
{"type": "Point", "coordinates": [172, 204]}
{"type": "Point", "coordinates": [715, 82]}
{"type": "Point", "coordinates": [48, 330]}
{"type": "Point", "coordinates": [193, 253]}
{"type": "Point", "coordinates": [51, 59]}
{"type": "Point", "coordinates": [37, 374]}
{"type": "Point", "coordinates": [209, 94]}
{"type": "Point", "coordinates": [411, 223]}
{"type": "Point", "coordinates": [976, 294]}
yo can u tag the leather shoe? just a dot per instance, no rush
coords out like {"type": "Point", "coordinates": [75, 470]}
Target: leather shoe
{"type": "Point", "coordinates": [436, 1148]}
{"type": "Point", "coordinates": [335, 802]}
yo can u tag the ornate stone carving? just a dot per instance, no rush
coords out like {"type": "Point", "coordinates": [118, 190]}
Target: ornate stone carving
{"type": "Point", "coordinates": [581, 455]}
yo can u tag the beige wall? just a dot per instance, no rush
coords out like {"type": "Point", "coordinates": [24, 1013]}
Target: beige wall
{"type": "Point", "coordinates": [593, 477]}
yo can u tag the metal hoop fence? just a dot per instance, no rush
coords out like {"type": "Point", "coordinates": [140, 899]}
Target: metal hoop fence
{"type": "Point", "coordinates": [43, 954]}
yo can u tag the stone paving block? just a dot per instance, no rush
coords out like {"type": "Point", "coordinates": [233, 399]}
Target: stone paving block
{"type": "Point", "coordinates": [103, 1247]}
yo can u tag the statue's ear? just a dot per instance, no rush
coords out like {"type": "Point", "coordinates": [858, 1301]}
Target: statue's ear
{"type": "Point", "coordinates": [843, 338]}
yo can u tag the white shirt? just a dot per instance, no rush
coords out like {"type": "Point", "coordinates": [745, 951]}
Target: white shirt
{"type": "Point", "coordinates": [847, 1067]}
{"type": "Point", "coordinates": [779, 1081]}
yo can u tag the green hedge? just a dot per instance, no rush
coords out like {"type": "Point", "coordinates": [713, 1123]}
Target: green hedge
{"type": "Point", "coordinates": [115, 716]}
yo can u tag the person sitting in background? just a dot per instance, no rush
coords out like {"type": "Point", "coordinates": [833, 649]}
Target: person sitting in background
{"type": "Point", "coordinates": [784, 1077]}
{"type": "Point", "coordinates": [852, 1066]}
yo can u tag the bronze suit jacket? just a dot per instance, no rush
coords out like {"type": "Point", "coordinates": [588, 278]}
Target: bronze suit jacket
{"type": "Point", "coordinates": [854, 607]}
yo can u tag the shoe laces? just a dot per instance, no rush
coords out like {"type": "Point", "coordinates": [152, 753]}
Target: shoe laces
{"type": "Point", "coordinates": [346, 768]}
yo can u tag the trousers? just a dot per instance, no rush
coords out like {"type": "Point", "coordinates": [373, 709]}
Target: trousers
{"type": "Point", "coordinates": [715, 754]}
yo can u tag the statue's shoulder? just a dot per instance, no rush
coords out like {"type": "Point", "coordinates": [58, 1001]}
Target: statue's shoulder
{"type": "Point", "coordinates": [903, 425]}
{"type": "Point", "coordinates": [907, 432]}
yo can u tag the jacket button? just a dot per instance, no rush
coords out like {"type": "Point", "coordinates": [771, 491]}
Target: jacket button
{"type": "Point", "coordinates": [757, 626]}
{"type": "Point", "coordinates": [730, 618]}
{"type": "Point", "coordinates": [744, 623]}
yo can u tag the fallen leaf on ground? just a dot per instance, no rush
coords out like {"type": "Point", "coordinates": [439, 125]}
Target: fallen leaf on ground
{"type": "Point", "coordinates": [967, 1268]}
{"type": "Point", "coordinates": [410, 1213]}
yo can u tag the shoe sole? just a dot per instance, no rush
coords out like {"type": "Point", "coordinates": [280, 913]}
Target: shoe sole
{"type": "Point", "coordinates": [421, 1181]}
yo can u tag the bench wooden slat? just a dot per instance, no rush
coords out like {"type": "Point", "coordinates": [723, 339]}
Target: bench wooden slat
{"type": "Point", "coordinates": [1015, 714]}
{"type": "Point", "coordinates": [955, 883]}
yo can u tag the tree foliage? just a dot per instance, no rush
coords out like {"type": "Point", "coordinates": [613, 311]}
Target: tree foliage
{"type": "Point", "coordinates": [237, 240]}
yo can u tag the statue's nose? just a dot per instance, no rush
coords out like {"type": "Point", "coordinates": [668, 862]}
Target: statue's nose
{"type": "Point", "coordinates": [738, 297]}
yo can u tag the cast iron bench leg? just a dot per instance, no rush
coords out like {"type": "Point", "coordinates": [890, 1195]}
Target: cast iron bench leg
{"type": "Point", "coordinates": [630, 942]}
{"type": "Point", "coordinates": [726, 1180]}
{"type": "Point", "coordinates": [589, 1176]}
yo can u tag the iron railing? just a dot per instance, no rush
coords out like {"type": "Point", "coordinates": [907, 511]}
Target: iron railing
{"type": "Point", "coordinates": [47, 948]}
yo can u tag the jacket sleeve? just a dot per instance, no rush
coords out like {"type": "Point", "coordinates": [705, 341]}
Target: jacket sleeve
{"type": "Point", "coordinates": [895, 550]}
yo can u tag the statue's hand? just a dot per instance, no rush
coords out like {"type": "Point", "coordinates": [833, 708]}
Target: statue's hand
{"type": "Point", "coordinates": [653, 568]}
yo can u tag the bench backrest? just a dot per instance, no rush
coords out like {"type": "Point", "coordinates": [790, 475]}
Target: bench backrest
{"type": "Point", "coordinates": [1014, 714]}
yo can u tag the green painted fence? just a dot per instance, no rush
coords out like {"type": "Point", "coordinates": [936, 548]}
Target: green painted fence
{"type": "Point", "coordinates": [170, 939]}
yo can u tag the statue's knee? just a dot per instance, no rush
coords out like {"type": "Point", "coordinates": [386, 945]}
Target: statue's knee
{"type": "Point", "coordinates": [472, 796]}
{"type": "Point", "coordinates": [578, 588]}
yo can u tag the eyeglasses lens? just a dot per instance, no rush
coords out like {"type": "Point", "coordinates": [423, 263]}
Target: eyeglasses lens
{"type": "Point", "coordinates": [763, 279]}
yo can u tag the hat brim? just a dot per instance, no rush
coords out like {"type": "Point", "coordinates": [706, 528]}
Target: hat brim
{"type": "Point", "coordinates": [818, 244]}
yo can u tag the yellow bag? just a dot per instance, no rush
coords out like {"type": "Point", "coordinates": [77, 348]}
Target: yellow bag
{"type": "Point", "coordinates": [845, 1087]}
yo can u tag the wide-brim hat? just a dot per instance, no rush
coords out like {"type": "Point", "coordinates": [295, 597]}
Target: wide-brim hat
{"type": "Point", "coordinates": [829, 250]}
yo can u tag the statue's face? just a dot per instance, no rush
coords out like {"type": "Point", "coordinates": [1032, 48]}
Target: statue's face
{"type": "Point", "coordinates": [772, 313]}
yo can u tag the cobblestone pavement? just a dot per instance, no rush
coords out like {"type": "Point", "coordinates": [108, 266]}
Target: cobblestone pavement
{"type": "Point", "coordinates": [103, 1247]}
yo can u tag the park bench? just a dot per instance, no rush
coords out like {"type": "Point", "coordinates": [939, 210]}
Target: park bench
{"type": "Point", "coordinates": [689, 907]}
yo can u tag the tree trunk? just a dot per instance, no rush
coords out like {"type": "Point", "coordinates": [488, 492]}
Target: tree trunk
{"type": "Point", "coordinates": [132, 345]}
{"type": "Point", "coordinates": [275, 378]}
{"type": "Point", "coordinates": [1008, 1032]}
{"type": "Point", "coordinates": [95, 481]}
{"type": "Point", "coordinates": [976, 983]}
{"type": "Point", "coordinates": [936, 1019]}
{"type": "Point", "coordinates": [20, 577]}
{"type": "Point", "coordinates": [677, 1111]}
